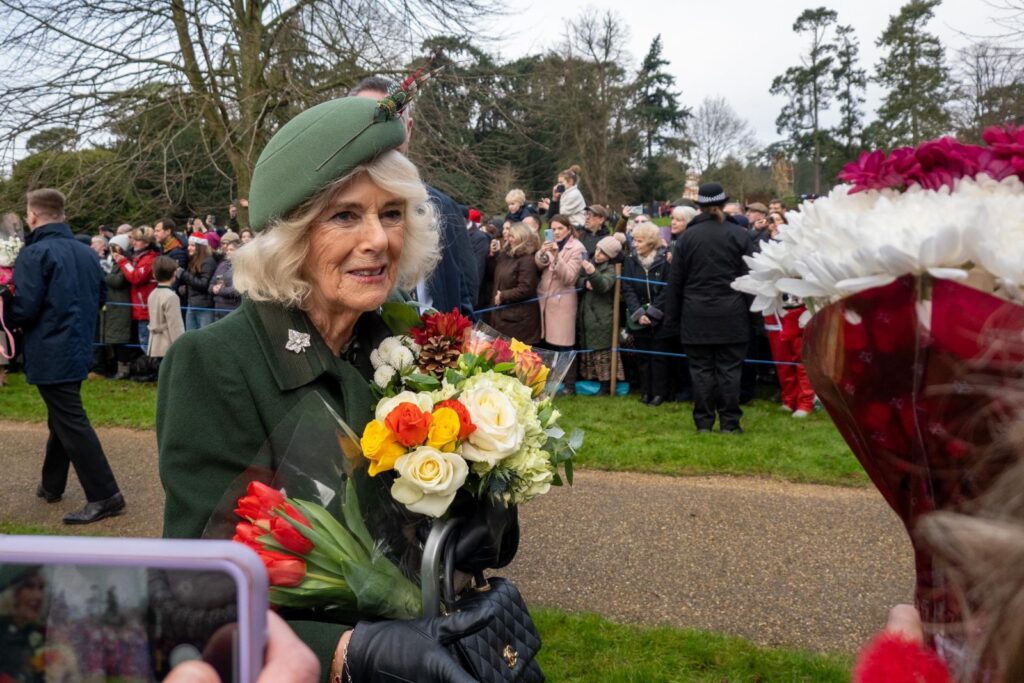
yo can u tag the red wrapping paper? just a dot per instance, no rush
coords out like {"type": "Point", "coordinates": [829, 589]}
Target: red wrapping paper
{"type": "Point", "coordinates": [919, 377]}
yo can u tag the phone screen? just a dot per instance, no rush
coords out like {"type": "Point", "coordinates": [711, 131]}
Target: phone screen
{"type": "Point", "coordinates": [114, 623]}
{"type": "Point", "coordinates": [549, 235]}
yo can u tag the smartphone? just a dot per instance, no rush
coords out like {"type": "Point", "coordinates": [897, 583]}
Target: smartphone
{"type": "Point", "coordinates": [147, 604]}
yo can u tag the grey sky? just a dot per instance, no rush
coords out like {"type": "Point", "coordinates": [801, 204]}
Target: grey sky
{"type": "Point", "coordinates": [755, 42]}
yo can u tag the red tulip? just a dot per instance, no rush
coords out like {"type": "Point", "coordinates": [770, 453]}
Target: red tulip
{"type": "Point", "coordinates": [283, 570]}
{"type": "Point", "coordinates": [288, 536]}
{"type": "Point", "coordinates": [258, 501]}
{"type": "Point", "coordinates": [249, 534]}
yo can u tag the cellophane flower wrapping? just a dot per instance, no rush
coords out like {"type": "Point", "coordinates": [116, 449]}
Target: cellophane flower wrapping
{"type": "Point", "coordinates": [335, 544]}
{"type": "Point", "coordinates": [920, 376]}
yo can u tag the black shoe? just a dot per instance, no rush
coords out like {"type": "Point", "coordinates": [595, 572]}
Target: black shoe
{"type": "Point", "coordinates": [656, 401]}
{"type": "Point", "coordinates": [645, 398]}
{"type": "Point", "coordinates": [95, 511]}
{"type": "Point", "coordinates": [49, 497]}
{"type": "Point", "coordinates": [734, 430]}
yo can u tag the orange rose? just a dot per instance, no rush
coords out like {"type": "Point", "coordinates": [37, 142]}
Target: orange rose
{"type": "Point", "coordinates": [466, 426]}
{"type": "Point", "coordinates": [409, 424]}
{"type": "Point", "coordinates": [531, 371]}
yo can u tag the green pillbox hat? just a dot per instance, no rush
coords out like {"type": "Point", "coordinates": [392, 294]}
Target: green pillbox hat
{"type": "Point", "coordinates": [313, 150]}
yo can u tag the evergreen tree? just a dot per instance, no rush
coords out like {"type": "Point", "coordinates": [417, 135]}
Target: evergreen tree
{"type": "Point", "coordinates": [850, 82]}
{"type": "Point", "coordinates": [915, 73]}
{"type": "Point", "coordinates": [810, 88]}
{"type": "Point", "coordinates": [658, 108]}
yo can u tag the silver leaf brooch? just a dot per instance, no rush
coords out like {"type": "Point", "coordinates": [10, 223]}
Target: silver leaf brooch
{"type": "Point", "coordinates": [298, 342]}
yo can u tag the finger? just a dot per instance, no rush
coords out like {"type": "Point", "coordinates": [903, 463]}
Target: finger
{"type": "Point", "coordinates": [442, 668]}
{"type": "Point", "coordinates": [454, 626]}
{"type": "Point", "coordinates": [905, 621]}
{"type": "Point", "coordinates": [193, 672]}
{"type": "Point", "coordinates": [287, 660]}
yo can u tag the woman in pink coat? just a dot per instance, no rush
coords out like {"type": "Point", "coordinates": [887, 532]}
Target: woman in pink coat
{"type": "Point", "coordinates": [559, 263]}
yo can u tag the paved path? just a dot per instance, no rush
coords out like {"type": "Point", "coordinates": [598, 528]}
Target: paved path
{"type": "Point", "coordinates": [780, 564]}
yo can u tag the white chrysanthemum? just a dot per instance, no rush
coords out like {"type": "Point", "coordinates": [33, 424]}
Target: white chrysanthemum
{"type": "Point", "coordinates": [399, 357]}
{"type": "Point", "coordinates": [843, 244]}
{"type": "Point", "coordinates": [388, 345]}
{"type": "Point", "coordinates": [375, 360]}
{"type": "Point", "coordinates": [383, 375]}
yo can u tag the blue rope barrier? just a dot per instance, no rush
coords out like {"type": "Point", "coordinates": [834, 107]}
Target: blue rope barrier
{"type": "Point", "coordinates": [526, 301]}
{"type": "Point", "coordinates": [184, 308]}
{"type": "Point", "coordinates": [623, 278]}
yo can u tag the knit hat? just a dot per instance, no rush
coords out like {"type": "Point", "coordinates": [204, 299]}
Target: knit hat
{"type": "Point", "coordinates": [317, 147]}
{"type": "Point", "coordinates": [475, 216]}
{"type": "Point", "coordinates": [198, 238]}
{"type": "Point", "coordinates": [121, 241]}
{"type": "Point", "coordinates": [610, 246]}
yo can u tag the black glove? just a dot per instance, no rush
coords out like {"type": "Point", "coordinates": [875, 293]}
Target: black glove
{"type": "Point", "coordinates": [413, 651]}
{"type": "Point", "coordinates": [488, 537]}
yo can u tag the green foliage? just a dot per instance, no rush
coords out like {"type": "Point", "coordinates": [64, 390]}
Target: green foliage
{"type": "Point", "coordinates": [809, 88]}
{"type": "Point", "coordinates": [586, 647]}
{"type": "Point", "coordinates": [662, 118]}
{"type": "Point", "coordinates": [850, 83]}
{"type": "Point", "coordinates": [56, 139]}
{"type": "Point", "coordinates": [916, 106]}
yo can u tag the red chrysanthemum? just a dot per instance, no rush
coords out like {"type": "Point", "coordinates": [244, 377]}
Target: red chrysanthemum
{"type": "Point", "coordinates": [452, 325]}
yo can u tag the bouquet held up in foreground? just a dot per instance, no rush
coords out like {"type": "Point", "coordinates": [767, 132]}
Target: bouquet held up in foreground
{"type": "Point", "coordinates": [913, 277]}
{"type": "Point", "coordinates": [460, 409]}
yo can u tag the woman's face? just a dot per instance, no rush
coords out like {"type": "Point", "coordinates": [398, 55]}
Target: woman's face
{"type": "Point", "coordinates": [566, 181]}
{"type": "Point", "coordinates": [504, 229]}
{"type": "Point", "coordinates": [600, 256]}
{"type": "Point", "coordinates": [246, 237]}
{"type": "Point", "coordinates": [229, 248]}
{"type": "Point", "coordinates": [139, 245]}
{"type": "Point", "coordinates": [561, 231]}
{"type": "Point", "coordinates": [197, 225]}
{"type": "Point", "coordinates": [678, 225]}
{"type": "Point", "coordinates": [191, 249]}
{"type": "Point", "coordinates": [355, 246]}
{"type": "Point", "coordinates": [645, 246]}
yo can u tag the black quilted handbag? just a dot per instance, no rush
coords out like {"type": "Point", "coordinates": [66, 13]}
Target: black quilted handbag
{"type": "Point", "coordinates": [505, 651]}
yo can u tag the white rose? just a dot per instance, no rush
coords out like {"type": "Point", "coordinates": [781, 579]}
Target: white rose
{"type": "Point", "coordinates": [423, 401]}
{"type": "Point", "coordinates": [428, 480]}
{"type": "Point", "coordinates": [399, 357]}
{"type": "Point", "coordinates": [498, 433]}
{"type": "Point", "coordinates": [383, 375]}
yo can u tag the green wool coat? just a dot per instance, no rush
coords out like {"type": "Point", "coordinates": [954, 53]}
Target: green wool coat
{"type": "Point", "coordinates": [116, 316]}
{"type": "Point", "coordinates": [595, 308]}
{"type": "Point", "coordinates": [226, 390]}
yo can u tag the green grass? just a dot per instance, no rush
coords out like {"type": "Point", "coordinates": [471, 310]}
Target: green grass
{"type": "Point", "coordinates": [621, 434]}
{"type": "Point", "coordinates": [624, 434]}
{"type": "Point", "coordinates": [25, 529]}
{"type": "Point", "coordinates": [590, 648]}
{"type": "Point", "coordinates": [108, 403]}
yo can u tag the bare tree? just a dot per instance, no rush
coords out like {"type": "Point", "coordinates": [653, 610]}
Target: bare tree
{"type": "Point", "coordinates": [238, 67]}
{"type": "Point", "coordinates": [990, 87]}
{"type": "Point", "coordinates": [718, 132]}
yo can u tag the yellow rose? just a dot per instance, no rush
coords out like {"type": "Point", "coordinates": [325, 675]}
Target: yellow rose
{"type": "Point", "coordinates": [444, 430]}
{"type": "Point", "coordinates": [518, 347]}
{"type": "Point", "coordinates": [380, 447]}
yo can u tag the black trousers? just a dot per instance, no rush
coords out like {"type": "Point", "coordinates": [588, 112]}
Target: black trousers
{"type": "Point", "coordinates": [715, 370]}
{"type": "Point", "coordinates": [73, 442]}
{"type": "Point", "coordinates": [653, 369]}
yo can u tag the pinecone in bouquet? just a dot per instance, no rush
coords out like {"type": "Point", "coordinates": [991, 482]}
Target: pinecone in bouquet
{"type": "Point", "coordinates": [438, 354]}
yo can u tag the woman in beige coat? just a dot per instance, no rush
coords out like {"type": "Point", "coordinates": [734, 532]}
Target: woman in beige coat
{"type": "Point", "coordinates": [559, 262]}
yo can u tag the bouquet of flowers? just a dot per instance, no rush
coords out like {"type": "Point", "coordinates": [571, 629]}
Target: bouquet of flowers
{"type": "Point", "coordinates": [464, 408]}
{"type": "Point", "coordinates": [912, 276]}
{"type": "Point", "coordinates": [339, 521]}
{"type": "Point", "coordinates": [9, 249]}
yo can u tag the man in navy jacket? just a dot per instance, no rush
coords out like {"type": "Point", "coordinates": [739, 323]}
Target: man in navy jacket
{"type": "Point", "coordinates": [58, 289]}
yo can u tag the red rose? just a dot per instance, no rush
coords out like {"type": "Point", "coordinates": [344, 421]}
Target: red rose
{"type": "Point", "coordinates": [466, 426]}
{"type": "Point", "coordinates": [409, 424]}
{"type": "Point", "coordinates": [283, 570]}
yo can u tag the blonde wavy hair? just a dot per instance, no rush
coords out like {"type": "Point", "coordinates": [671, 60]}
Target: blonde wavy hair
{"type": "Point", "coordinates": [270, 267]}
{"type": "Point", "coordinates": [515, 196]}
{"type": "Point", "coordinates": [647, 232]}
{"type": "Point", "coordinates": [143, 233]}
{"type": "Point", "coordinates": [528, 242]}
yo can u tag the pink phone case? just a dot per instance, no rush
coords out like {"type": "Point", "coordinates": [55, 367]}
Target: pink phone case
{"type": "Point", "coordinates": [233, 559]}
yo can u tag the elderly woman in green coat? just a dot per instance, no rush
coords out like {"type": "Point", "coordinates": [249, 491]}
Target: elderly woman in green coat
{"type": "Point", "coordinates": [342, 220]}
{"type": "Point", "coordinates": [596, 308]}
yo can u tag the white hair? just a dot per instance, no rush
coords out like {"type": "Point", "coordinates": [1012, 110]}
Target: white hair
{"type": "Point", "coordinates": [515, 196]}
{"type": "Point", "coordinates": [647, 232]}
{"type": "Point", "coordinates": [270, 267]}
{"type": "Point", "coordinates": [684, 213]}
